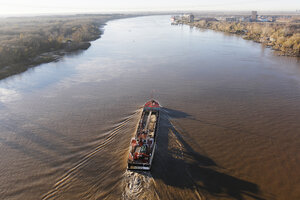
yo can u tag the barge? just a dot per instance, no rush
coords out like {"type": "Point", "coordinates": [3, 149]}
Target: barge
{"type": "Point", "coordinates": [142, 145]}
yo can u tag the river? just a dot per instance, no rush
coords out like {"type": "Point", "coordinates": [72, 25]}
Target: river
{"type": "Point", "coordinates": [229, 127]}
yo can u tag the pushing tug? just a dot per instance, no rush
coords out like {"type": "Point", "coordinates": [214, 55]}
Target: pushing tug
{"type": "Point", "coordinates": [142, 146]}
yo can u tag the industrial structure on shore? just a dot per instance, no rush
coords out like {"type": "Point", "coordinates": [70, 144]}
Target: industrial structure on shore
{"type": "Point", "coordinates": [252, 17]}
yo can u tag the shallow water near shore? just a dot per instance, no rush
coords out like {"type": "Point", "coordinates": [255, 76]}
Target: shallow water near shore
{"type": "Point", "coordinates": [229, 126]}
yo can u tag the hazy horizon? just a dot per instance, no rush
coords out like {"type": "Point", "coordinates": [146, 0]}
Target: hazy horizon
{"type": "Point", "coordinates": [30, 7]}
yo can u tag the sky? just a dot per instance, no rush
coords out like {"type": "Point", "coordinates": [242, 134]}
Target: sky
{"type": "Point", "coordinates": [19, 7]}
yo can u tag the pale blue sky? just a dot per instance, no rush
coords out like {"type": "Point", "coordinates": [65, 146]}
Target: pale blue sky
{"type": "Point", "coordinates": [85, 6]}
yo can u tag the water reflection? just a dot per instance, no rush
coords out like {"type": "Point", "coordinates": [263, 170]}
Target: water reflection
{"type": "Point", "coordinates": [8, 95]}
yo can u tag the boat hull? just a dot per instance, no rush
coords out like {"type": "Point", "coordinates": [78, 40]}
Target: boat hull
{"type": "Point", "coordinates": [143, 144]}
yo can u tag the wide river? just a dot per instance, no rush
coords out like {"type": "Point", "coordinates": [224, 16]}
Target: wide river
{"type": "Point", "coordinates": [230, 126]}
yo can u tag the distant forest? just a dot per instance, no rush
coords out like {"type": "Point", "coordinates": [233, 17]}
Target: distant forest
{"type": "Point", "coordinates": [23, 41]}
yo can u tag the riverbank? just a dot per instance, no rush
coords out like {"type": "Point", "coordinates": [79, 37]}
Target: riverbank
{"type": "Point", "coordinates": [284, 38]}
{"type": "Point", "coordinates": [30, 41]}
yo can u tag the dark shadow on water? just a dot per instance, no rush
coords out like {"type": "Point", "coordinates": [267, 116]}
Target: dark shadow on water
{"type": "Point", "coordinates": [186, 168]}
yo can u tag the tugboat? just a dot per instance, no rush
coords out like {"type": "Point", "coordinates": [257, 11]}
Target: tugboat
{"type": "Point", "coordinates": [142, 146]}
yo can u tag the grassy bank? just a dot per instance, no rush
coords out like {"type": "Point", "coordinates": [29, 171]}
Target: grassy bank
{"type": "Point", "coordinates": [282, 37]}
{"type": "Point", "coordinates": [29, 41]}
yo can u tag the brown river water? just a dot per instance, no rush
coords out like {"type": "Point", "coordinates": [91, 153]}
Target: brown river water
{"type": "Point", "coordinates": [229, 128]}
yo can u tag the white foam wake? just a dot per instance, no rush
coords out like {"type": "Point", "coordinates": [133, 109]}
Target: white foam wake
{"type": "Point", "coordinates": [138, 185]}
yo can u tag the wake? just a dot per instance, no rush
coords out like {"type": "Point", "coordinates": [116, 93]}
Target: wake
{"type": "Point", "coordinates": [72, 172]}
{"type": "Point", "coordinates": [138, 185]}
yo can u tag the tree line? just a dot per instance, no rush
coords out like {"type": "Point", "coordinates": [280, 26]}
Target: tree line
{"type": "Point", "coordinates": [283, 37]}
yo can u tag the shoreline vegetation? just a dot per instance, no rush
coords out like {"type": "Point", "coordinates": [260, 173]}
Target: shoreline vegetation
{"type": "Point", "coordinates": [30, 41]}
{"type": "Point", "coordinates": [284, 38]}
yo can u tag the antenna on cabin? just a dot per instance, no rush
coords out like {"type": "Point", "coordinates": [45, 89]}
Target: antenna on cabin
{"type": "Point", "coordinates": [152, 94]}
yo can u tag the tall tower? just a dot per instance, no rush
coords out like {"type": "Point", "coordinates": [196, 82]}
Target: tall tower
{"type": "Point", "coordinates": [254, 16]}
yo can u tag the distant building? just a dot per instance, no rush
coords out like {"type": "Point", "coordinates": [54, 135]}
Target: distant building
{"type": "Point", "coordinates": [231, 19]}
{"type": "Point", "coordinates": [246, 19]}
{"type": "Point", "coordinates": [175, 18]}
{"type": "Point", "coordinates": [265, 18]}
{"type": "Point", "coordinates": [191, 18]}
{"type": "Point", "coordinates": [207, 19]}
{"type": "Point", "coordinates": [188, 17]}
{"type": "Point", "coordinates": [254, 16]}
